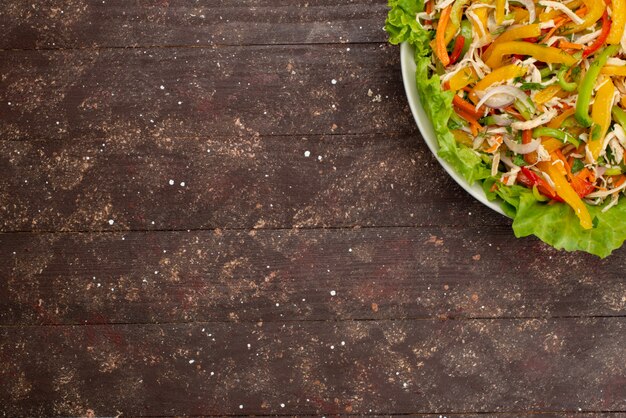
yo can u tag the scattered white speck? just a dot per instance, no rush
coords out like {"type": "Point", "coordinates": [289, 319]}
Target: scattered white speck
{"type": "Point", "coordinates": [277, 304]}
{"type": "Point", "coordinates": [332, 347]}
{"type": "Point", "coordinates": [180, 103]}
{"type": "Point", "coordinates": [349, 250]}
{"type": "Point", "coordinates": [162, 87]}
{"type": "Point", "coordinates": [152, 223]}
{"type": "Point", "coordinates": [182, 184]}
{"type": "Point", "coordinates": [212, 373]}
{"type": "Point", "coordinates": [343, 343]}
{"type": "Point", "coordinates": [333, 81]}
{"type": "Point", "coordinates": [282, 405]}
{"type": "Point", "coordinates": [111, 221]}
{"type": "Point", "coordinates": [240, 406]}
{"type": "Point", "coordinates": [319, 158]}
{"type": "Point", "coordinates": [156, 272]}
{"type": "Point", "coordinates": [307, 154]}
{"type": "Point", "coordinates": [333, 293]}
{"type": "Point", "coordinates": [348, 49]}
{"type": "Point", "coordinates": [192, 361]}
{"type": "Point", "coordinates": [303, 300]}
{"type": "Point", "coordinates": [249, 346]}
{"type": "Point", "coordinates": [404, 385]}
{"type": "Point", "coordinates": [98, 285]}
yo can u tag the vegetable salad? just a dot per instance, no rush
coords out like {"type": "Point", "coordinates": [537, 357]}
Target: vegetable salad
{"type": "Point", "coordinates": [529, 97]}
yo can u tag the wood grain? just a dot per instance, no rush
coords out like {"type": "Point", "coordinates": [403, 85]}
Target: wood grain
{"type": "Point", "coordinates": [126, 23]}
{"type": "Point", "coordinates": [242, 181]}
{"type": "Point", "coordinates": [315, 368]}
{"type": "Point", "coordinates": [117, 95]}
{"type": "Point", "coordinates": [295, 275]}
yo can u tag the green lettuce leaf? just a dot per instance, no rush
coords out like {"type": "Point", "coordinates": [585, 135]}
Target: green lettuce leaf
{"type": "Point", "coordinates": [556, 224]}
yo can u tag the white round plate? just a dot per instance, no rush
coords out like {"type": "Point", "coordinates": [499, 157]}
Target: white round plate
{"type": "Point", "coordinates": [426, 128]}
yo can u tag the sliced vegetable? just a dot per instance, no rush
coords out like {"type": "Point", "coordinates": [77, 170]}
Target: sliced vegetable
{"type": "Point", "coordinates": [462, 78]}
{"type": "Point", "coordinates": [619, 115]}
{"type": "Point", "coordinates": [601, 116]}
{"type": "Point", "coordinates": [614, 70]}
{"type": "Point", "coordinates": [508, 72]}
{"type": "Point", "coordinates": [555, 133]}
{"type": "Point", "coordinates": [600, 40]}
{"type": "Point", "coordinates": [595, 9]}
{"type": "Point", "coordinates": [618, 17]}
{"type": "Point", "coordinates": [586, 86]}
{"type": "Point", "coordinates": [564, 84]}
{"type": "Point", "coordinates": [440, 45]}
{"type": "Point", "coordinates": [513, 34]}
{"type": "Point", "coordinates": [456, 50]}
{"type": "Point", "coordinates": [542, 53]}
{"type": "Point", "coordinates": [566, 192]}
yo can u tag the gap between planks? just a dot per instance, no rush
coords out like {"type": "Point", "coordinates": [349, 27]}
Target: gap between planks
{"type": "Point", "coordinates": [191, 46]}
{"type": "Point", "coordinates": [537, 414]}
{"type": "Point", "coordinates": [333, 321]}
{"type": "Point", "coordinates": [242, 229]}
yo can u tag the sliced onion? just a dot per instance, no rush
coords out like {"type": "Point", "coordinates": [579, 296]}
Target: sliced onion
{"type": "Point", "coordinates": [530, 6]}
{"type": "Point", "coordinates": [506, 95]}
{"type": "Point", "coordinates": [502, 120]}
{"type": "Point", "coordinates": [521, 148]}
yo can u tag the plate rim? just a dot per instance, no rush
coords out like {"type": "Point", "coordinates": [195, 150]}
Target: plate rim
{"type": "Point", "coordinates": [407, 64]}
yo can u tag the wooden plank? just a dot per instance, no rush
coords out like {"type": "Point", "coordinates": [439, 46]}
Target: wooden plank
{"type": "Point", "coordinates": [316, 275]}
{"type": "Point", "coordinates": [122, 94]}
{"type": "Point", "coordinates": [229, 182]}
{"type": "Point", "coordinates": [124, 23]}
{"type": "Point", "coordinates": [378, 367]}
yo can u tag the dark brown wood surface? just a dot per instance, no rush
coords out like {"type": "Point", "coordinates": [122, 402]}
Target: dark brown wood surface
{"type": "Point", "coordinates": [224, 208]}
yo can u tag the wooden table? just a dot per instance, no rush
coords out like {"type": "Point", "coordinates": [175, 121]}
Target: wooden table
{"type": "Point", "coordinates": [223, 207]}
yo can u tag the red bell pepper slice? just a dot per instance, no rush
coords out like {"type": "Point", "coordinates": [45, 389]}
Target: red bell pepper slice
{"type": "Point", "coordinates": [459, 43]}
{"type": "Point", "coordinates": [600, 40]}
{"type": "Point", "coordinates": [530, 179]}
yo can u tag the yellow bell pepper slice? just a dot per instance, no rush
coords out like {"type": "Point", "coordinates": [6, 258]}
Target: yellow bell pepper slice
{"type": "Point", "coordinates": [513, 34]}
{"type": "Point", "coordinates": [547, 94]}
{"type": "Point", "coordinates": [565, 191]}
{"type": "Point", "coordinates": [542, 53]}
{"type": "Point", "coordinates": [463, 137]}
{"type": "Point", "coordinates": [507, 72]}
{"type": "Point", "coordinates": [500, 11]}
{"type": "Point", "coordinates": [618, 20]}
{"type": "Point", "coordinates": [601, 116]}
{"type": "Point", "coordinates": [545, 16]}
{"type": "Point", "coordinates": [519, 14]}
{"type": "Point", "coordinates": [595, 10]}
{"type": "Point", "coordinates": [614, 70]}
{"type": "Point", "coordinates": [462, 78]}
{"type": "Point", "coordinates": [551, 144]}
